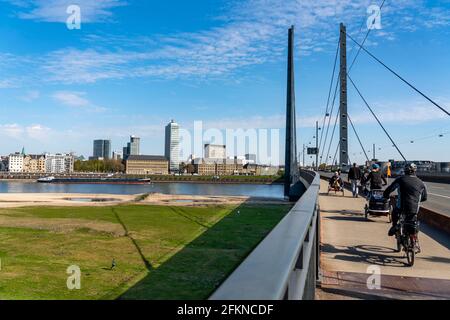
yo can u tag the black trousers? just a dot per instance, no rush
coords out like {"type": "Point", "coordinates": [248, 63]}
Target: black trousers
{"type": "Point", "coordinates": [410, 217]}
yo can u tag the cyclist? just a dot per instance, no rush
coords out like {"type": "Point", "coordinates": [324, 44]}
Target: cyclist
{"type": "Point", "coordinates": [376, 178]}
{"type": "Point", "coordinates": [336, 182]}
{"type": "Point", "coordinates": [411, 192]}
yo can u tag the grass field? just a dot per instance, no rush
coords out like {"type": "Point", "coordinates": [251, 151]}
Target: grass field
{"type": "Point", "coordinates": [161, 252]}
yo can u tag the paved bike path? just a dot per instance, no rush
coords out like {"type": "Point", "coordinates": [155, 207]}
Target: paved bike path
{"type": "Point", "coordinates": [351, 244]}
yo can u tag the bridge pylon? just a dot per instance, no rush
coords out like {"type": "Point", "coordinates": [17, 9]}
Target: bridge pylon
{"type": "Point", "coordinates": [292, 173]}
{"type": "Point", "coordinates": [343, 136]}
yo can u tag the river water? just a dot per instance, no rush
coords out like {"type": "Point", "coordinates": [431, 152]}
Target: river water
{"type": "Point", "coordinates": [253, 190]}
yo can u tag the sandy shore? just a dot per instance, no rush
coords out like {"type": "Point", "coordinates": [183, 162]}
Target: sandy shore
{"type": "Point", "coordinates": [14, 200]}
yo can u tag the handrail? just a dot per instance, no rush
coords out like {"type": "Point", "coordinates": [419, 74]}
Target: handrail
{"type": "Point", "coordinates": [283, 265]}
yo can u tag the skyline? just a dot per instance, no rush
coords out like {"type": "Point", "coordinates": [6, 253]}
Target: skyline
{"type": "Point", "coordinates": [134, 66]}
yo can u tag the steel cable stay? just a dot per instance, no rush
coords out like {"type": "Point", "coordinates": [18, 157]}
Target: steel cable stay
{"type": "Point", "coordinates": [330, 116]}
{"type": "Point", "coordinates": [329, 92]}
{"type": "Point", "coordinates": [332, 136]}
{"type": "Point", "coordinates": [337, 83]}
{"type": "Point", "coordinates": [399, 76]}
{"type": "Point", "coordinates": [414, 140]}
{"type": "Point", "coordinates": [335, 154]}
{"type": "Point", "coordinates": [376, 118]}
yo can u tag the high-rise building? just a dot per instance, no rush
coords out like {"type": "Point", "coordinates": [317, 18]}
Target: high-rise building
{"type": "Point", "coordinates": [134, 146]}
{"type": "Point", "coordinates": [102, 149]}
{"type": "Point", "coordinates": [172, 146]}
{"type": "Point", "coordinates": [215, 151]}
{"type": "Point", "coordinates": [125, 152]}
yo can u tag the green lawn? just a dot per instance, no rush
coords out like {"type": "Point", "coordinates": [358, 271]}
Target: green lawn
{"type": "Point", "coordinates": [161, 252]}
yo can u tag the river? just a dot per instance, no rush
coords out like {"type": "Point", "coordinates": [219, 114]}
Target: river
{"type": "Point", "coordinates": [252, 190]}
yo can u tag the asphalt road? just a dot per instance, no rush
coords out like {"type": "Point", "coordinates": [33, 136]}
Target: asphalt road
{"type": "Point", "coordinates": [438, 195]}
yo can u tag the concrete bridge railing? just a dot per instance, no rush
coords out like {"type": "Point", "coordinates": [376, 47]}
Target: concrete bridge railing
{"type": "Point", "coordinates": [285, 264]}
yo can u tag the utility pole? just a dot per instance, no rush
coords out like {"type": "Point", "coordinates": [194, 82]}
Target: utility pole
{"type": "Point", "coordinates": [343, 157]}
{"type": "Point", "coordinates": [374, 156]}
{"type": "Point", "coordinates": [317, 145]}
{"type": "Point", "coordinates": [304, 155]}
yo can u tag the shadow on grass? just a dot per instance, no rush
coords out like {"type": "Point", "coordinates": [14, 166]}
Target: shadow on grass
{"type": "Point", "coordinates": [147, 263]}
{"type": "Point", "coordinates": [198, 268]}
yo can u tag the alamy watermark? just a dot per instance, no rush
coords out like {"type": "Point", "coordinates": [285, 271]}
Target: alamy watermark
{"type": "Point", "coordinates": [374, 19]}
{"type": "Point", "coordinates": [374, 280]}
{"type": "Point", "coordinates": [74, 278]}
{"type": "Point", "coordinates": [74, 20]}
{"type": "Point", "coordinates": [263, 143]}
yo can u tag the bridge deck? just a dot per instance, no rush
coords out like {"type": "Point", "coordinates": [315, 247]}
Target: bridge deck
{"type": "Point", "coordinates": [350, 244]}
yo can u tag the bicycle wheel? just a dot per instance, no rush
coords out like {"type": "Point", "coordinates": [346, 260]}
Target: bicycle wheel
{"type": "Point", "coordinates": [410, 252]}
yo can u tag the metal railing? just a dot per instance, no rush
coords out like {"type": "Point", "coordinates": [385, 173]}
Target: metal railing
{"type": "Point", "coordinates": [285, 264]}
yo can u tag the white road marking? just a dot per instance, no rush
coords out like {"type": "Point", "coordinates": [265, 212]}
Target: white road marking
{"type": "Point", "coordinates": [439, 195]}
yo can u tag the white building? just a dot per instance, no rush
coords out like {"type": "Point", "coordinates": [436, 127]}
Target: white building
{"type": "Point", "coordinates": [172, 146]}
{"type": "Point", "coordinates": [59, 163]}
{"type": "Point", "coordinates": [15, 162]}
{"type": "Point", "coordinates": [215, 151]}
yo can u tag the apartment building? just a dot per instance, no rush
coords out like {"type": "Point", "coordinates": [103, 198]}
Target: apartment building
{"type": "Point", "coordinates": [59, 163]}
{"type": "Point", "coordinates": [33, 164]}
{"type": "Point", "coordinates": [15, 163]}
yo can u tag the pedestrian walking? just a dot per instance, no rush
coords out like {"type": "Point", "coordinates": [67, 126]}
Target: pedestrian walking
{"type": "Point", "coordinates": [354, 177]}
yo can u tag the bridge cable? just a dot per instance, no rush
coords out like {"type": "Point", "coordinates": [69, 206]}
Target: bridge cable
{"type": "Point", "coordinates": [335, 153]}
{"type": "Point", "coordinates": [331, 114]}
{"type": "Point", "coordinates": [357, 136]}
{"type": "Point", "coordinates": [329, 93]}
{"type": "Point", "coordinates": [337, 82]}
{"type": "Point", "coordinates": [400, 77]}
{"type": "Point", "coordinates": [332, 136]}
{"type": "Point", "coordinates": [379, 122]}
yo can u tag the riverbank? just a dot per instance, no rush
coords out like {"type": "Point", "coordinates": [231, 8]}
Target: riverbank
{"type": "Point", "coordinates": [128, 251]}
{"type": "Point", "coordinates": [17, 200]}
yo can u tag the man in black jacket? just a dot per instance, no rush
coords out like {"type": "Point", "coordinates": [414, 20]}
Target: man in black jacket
{"type": "Point", "coordinates": [354, 176]}
{"type": "Point", "coordinates": [376, 178]}
{"type": "Point", "coordinates": [411, 192]}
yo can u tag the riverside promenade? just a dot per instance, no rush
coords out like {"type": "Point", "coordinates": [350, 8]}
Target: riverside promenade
{"type": "Point", "coordinates": [353, 247]}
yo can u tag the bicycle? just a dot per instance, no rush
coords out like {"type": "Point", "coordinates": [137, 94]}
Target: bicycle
{"type": "Point", "coordinates": [407, 238]}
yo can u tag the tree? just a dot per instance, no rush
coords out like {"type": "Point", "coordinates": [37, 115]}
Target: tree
{"type": "Point", "coordinates": [103, 166]}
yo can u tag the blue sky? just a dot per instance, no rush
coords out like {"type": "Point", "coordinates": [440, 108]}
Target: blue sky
{"type": "Point", "coordinates": [134, 65]}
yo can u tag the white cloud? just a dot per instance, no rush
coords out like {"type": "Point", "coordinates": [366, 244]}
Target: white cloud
{"type": "Point", "coordinates": [11, 130]}
{"type": "Point", "coordinates": [7, 84]}
{"type": "Point", "coordinates": [55, 10]}
{"type": "Point", "coordinates": [416, 112]}
{"type": "Point", "coordinates": [38, 132]}
{"type": "Point", "coordinates": [30, 96]}
{"type": "Point", "coordinates": [75, 99]}
{"type": "Point", "coordinates": [24, 134]}
{"type": "Point", "coordinates": [249, 33]}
